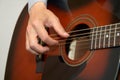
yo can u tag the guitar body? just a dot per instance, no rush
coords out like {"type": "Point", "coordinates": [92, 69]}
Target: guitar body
{"type": "Point", "coordinates": [103, 63]}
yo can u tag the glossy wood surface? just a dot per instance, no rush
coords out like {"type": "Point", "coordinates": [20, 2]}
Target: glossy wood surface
{"type": "Point", "coordinates": [103, 63]}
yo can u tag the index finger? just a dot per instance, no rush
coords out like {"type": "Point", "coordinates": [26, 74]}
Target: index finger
{"type": "Point", "coordinates": [43, 34]}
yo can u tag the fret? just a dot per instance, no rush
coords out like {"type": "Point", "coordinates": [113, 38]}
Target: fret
{"type": "Point", "coordinates": [104, 34]}
{"type": "Point", "coordinates": [114, 44]}
{"type": "Point", "coordinates": [112, 38]}
{"type": "Point", "coordinates": [109, 40]}
{"type": "Point", "coordinates": [92, 38]}
{"type": "Point", "coordinates": [107, 36]}
{"type": "Point", "coordinates": [96, 38]}
{"type": "Point", "coordinates": [101, 41]}
{"type": "Point", "coordinates": [100, 32]}
{"type": "Point", "coordinates": [118, 35]}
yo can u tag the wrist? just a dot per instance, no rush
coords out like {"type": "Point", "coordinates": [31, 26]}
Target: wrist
{"type": "Point", "coordinates": [40, 3]}
{"type": "Point", "coordinates": [37, 6]}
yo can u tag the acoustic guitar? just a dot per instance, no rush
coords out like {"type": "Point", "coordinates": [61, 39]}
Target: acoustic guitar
{"type": "Point", "coordinates": [90, 53]}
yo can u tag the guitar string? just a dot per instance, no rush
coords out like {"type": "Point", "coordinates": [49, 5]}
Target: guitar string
{"type": "Point", "coordinates": [85, 40]}
{"type": "Point", "coordinates": [82, 34]}
{"type": "Point", "coordinates": [86, 44]}
{"type": "Point", "coordinates": [89, 34]}
{"type": "Point", "coordinates": [52, 35]}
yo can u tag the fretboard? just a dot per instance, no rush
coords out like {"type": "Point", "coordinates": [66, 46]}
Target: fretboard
{"type": "Point", "coordinates": [105, 36]}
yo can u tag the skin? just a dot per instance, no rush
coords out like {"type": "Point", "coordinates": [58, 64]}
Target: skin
{"type": "Point", "coordinates": [39, 18]}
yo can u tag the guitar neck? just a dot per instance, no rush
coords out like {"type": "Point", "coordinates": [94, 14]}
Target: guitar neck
{"type": "Point", "coordinates": [105, 36]}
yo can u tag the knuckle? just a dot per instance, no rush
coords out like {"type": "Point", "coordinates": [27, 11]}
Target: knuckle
{"type": "Point", "coordinates": [32, 44]}
{"type": "Point", "coordinates": [35, 22]}
{"type": "Point", "coordinates": [27, 48]}
{"type": "Point", "coordinates": [45, 38]}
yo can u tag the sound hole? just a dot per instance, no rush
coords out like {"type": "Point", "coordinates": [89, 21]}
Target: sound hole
{"type": "Point", "coordinates": [78, 43]}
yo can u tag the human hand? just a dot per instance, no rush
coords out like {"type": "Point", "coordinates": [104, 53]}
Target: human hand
{"type": "Point", "coordinates": [39, 18]}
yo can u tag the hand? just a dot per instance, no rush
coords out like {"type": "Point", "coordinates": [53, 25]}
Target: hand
{"type": "Point", "coordinates": [39, 18]}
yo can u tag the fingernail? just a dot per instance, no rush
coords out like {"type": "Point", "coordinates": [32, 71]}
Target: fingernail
{"type": "Point", "coordinates": [66, 34]}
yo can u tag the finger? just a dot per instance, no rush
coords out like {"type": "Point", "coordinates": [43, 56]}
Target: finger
{"type": "Point", "coordinates": [59, 28]}
{"type": "Point", "coordinates": [43, 34]}
{"type": "Point", "coordinates": [33, 41]}
{"type": "Point", "coordinates": [28, 46]}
